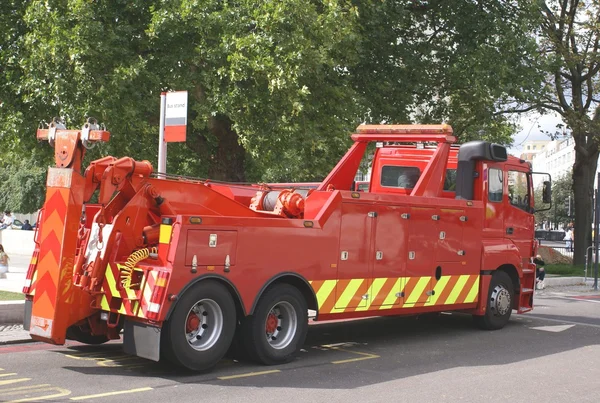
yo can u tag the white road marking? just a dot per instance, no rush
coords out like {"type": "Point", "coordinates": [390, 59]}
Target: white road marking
{"type": "Point", "coordinates": [553, 329]}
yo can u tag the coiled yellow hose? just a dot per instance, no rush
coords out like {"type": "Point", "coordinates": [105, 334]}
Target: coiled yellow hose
{"type": "Point", "coordinates": [133, 259]}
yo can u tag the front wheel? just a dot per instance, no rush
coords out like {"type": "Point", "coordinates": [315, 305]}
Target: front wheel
{"type": "Point", "coordinates": [499, 303]}
{"type": "Point", "coordinates": [201, 328]}
{"type": "Point", "coordinates": [277, 329]}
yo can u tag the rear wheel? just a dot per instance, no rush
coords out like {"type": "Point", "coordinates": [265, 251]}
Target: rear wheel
{"type": "Point", "coordinates": [201, 327]}
{"type": "Point", "coordinates": [499, 303]}
{"type": "Point", "coordinates": [277, 329]}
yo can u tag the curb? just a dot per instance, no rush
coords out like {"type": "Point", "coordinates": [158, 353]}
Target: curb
{"type": "Point", "coordinates": [11, 312]}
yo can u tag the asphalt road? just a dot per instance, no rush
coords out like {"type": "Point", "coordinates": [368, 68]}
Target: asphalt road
{"type": "Point", "coordinates": [552, 354]}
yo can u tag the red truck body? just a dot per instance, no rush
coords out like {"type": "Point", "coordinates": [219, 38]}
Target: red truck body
{"type": "Point", "coordinates": [186, 268]}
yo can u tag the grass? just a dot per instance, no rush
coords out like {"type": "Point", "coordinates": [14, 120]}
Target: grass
{"type": "Point", "coordinates": [11, 296]}
{"type": "Point", "coordinates": [566, 269]}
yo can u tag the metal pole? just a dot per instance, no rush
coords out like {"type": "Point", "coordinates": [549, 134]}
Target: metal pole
{"type": "Point", "coordinates": [596, 238]}
{"type": "Point", "coordinates": [162, 145]}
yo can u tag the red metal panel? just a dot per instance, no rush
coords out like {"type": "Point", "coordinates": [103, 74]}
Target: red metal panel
{"type": "Point", "coordinates": [198, 244]}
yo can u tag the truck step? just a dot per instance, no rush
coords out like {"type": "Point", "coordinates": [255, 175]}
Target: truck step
{"type": "Point", "coordinates": [523, 309]}
{"type": "Point", "coordinates": [526, 290]}
{"type": "Point", "coordinates": [528, 271]}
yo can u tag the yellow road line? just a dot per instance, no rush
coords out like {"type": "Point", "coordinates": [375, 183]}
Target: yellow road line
{"type": "Point", "coordinates": [118, 392]}
{"type": "Point", "coordinates": [9, 381]}
{"type": "Point", "coordinates": [14, 373]}
{"type": "Point", "coordinates": [273, 371]}
{"type": "Point", "coordinates": [365, 356]}
{"type": "Point", "coordinates": [60, 392]}
{"type": "Point", "coordinates": [354, 359]}
{"type": "Point", "coordinates": [23, 388]}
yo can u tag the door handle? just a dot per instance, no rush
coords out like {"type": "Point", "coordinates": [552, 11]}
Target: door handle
{"type": "Point", "coordinates": [509, 230]}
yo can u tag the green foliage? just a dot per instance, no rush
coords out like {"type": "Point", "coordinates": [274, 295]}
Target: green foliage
{"type": "Point", "coordinates": [562, 188]}
{"type": "Point", "coordinates": [275, 86]}
{"type": "Point", "coordinates": [565, 270]}
{"type": "Point", "coordinates": [11, 296]}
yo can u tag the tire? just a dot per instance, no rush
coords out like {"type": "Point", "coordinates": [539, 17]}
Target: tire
{"type": "Point", "coordinates": [84, 336]}
{"type": "Point", "coordinates": [201, 327]}
{"type": "Point", "coordinates": [277, 330]}
{"type": "Point", "coordinates": [499, 303]}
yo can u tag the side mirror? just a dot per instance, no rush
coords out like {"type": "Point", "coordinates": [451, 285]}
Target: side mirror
{"type": "Point", "coordinates": [547, 192]}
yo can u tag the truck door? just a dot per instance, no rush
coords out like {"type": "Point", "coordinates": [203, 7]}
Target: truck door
{"type": "Point", "coordinates": [421, 256]}
{"type": "Point", "coordinates": [355, 258]}
{"type": "Point", "coordinates": [518, 220]}
{"type": "Point", "coordinates": [494, 179]}
{"type": "Point", "coordinates": [389, 266]}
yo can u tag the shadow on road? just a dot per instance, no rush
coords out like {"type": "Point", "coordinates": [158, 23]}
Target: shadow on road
{"type": "Point", "coordinates": [364, 352]}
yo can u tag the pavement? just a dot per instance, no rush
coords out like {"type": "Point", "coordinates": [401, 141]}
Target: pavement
{"type": "Point", "coordinates": [549, 355]}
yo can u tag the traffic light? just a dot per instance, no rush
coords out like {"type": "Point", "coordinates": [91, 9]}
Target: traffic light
{"type": "Point", "coordinates": [569, 207]}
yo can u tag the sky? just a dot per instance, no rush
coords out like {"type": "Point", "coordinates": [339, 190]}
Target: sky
{"type": "Point", "coordinates": [533, 126]}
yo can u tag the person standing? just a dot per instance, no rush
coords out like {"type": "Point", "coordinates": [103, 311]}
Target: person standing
{"type": "Point", "coordinates": [3, 262]}
{"type": "Point", "coordinates": [540, 272]}
{"type": "Point", "coordinates": [7, 220]}
{"type": "Point", "coordinates": [569, 239]}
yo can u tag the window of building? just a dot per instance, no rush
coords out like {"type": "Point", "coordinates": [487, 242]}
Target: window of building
{"type": "Point", "coordinates": [400, 177]}
{"type": "Point", "coordinates": [529, 147]}
{"type": "Point", "coordinates": [534, 147]}
{"type": "Point", "coordinates": [518, 190]}
{"type": "Point", "coordinates": [495, 180]}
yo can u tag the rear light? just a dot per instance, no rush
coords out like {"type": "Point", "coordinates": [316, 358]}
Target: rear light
{"type": "Point", "coordinates": [158, 295]}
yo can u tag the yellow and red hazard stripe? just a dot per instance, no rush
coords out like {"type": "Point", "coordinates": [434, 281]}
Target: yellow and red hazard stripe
{"type": "Point", "coordinates": [340, 296]}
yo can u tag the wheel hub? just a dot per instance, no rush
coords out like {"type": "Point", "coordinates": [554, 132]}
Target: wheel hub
{"type": "Point", "coordinates": [272, 323]}
{"type": "Point", "coordinates": [281, 325]}
{"type": "Point", "coordinates": [500, 300]}
{"type": "Point", "coordinates": [204, 324]}
{"type": "Point", "coordinates": [193, 322]}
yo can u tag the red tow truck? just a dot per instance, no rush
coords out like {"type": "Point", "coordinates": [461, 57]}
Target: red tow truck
{"type": "Point", "coordinates": [183, 268]}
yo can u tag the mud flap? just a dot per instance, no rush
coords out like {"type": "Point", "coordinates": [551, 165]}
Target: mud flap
{"type": "Point", "coordinates": [141, 340]}
{"type": "Point", "coordinates": [27, 314]}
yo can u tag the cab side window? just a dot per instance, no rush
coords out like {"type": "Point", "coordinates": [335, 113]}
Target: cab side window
{"type": "Point", "coordinates": [495, 181]}
{"type": "Point", "coordinates": [518, 190]}
{"type": "Point", "coordinates": [450, 180]}
{"type": "Point", "coordinates": [400, 177]}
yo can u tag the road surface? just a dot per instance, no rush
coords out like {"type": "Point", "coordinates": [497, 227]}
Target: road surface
{"type": "Point", "coordinates": [552, 354]}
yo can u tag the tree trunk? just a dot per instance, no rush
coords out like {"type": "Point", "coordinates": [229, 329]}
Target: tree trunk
{"type": "Point", "coordinates": [584, 176]}
{"type": "Point", "coordinates": [228, 161]}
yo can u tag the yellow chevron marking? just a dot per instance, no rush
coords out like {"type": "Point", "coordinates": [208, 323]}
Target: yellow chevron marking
{"type": "Point", "coordinates": [342, 302]}
{"type": "Point", "coordinates": [438, 289]}
{"type": "Point", "coordinates": [325, 290]}
{"type": "Point", "coordinates": [417, 292]}
{"type": "Point", "coordinates": [391, 298]}
{"type": "Point", "coordinates": [374, 290]}
{"type": "Point", "coordinates": [472, 296]}
{"type": "Point", "coordinates": [112, 284]}
{"type": "Point", "coordinates": [104, 303]}
{"type": "Point", "coordinates": [457, 289]}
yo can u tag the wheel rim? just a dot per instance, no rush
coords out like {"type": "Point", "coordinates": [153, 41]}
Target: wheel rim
{"type": "Point", "coordinates": [281, 324]}
{"type": "Point", "coordinates": [204, 324]}
{"type": "Point", "coordinates": [500, 301]}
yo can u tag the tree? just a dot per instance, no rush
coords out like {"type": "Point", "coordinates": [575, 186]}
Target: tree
{"type": "Point", "coordinates": [275, 87]}
{"type": "Point", "coordinates": [569, 40]}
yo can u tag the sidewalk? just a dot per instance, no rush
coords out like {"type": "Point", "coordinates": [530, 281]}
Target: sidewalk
{"type": "Point", "coordinates": [17, 271]}
{"type": "Point", "coordinates": [11, 312]}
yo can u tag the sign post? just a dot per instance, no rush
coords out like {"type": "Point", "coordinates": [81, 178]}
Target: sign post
{"type": "Point", "coordinates": [173, 123]}
{"type": "Point", "coordinates": [162, 145]}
